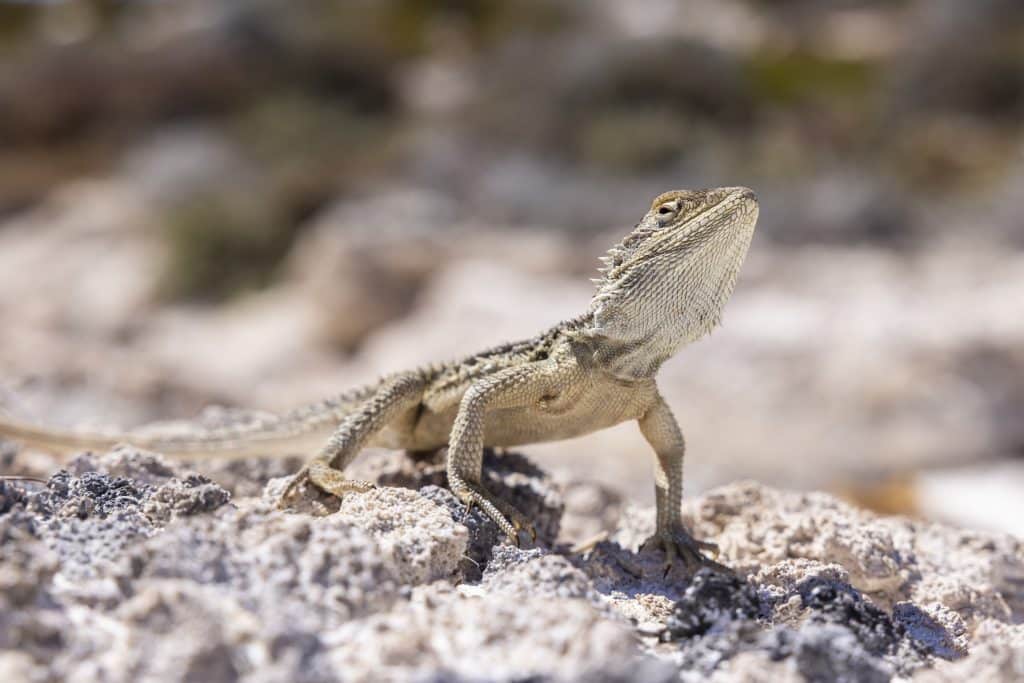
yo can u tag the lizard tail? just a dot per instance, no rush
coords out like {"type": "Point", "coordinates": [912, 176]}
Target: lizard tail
{"type": "Point", "coordinates": [276, 438]}
{"type": "Point", "coordinates": [51, 440]}
{"type": "Point", "coordinates": [299, 431]}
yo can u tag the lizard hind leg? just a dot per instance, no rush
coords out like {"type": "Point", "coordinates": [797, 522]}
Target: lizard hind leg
{"type": "Point", "coordinates": [394, 398]}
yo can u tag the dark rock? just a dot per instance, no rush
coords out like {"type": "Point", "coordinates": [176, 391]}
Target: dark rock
{"type": "Point", "coordinates": [928, 634]}
{"type": "Point", "coordinates": [12, 494]}
{"type": "Point", "coordinates": [713, 599]}
{"type": "Point", "coordinates": [833, 602]}
{"type": "Point", "coordinates": [844, 637]}
{"type": "Point", "coordinates": [91, 493]}
{"type": "Point", "coordinates": [831, 653]}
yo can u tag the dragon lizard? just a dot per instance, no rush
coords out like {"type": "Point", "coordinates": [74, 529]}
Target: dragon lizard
{"type": "Point", "coordinates": [661, 287]}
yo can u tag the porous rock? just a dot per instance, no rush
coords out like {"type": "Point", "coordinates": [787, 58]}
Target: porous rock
{"type": "Point", "coordinates": [127, 566]}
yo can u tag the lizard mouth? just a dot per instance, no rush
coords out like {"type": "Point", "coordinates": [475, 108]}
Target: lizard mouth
{"type": "Point", "coordinates": [746, 193]}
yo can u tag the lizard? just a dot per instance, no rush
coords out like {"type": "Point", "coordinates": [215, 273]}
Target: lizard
{"type": "Point", "coordinates": [662, 287]}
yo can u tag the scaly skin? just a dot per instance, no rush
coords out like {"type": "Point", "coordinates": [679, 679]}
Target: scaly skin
{"type": "Point", "coordinates": [662, 287]}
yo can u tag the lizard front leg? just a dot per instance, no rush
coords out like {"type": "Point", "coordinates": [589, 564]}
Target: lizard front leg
{"type": "Point", "coordinates": [661, 430]}
{"type": "Point", "coordinates": [512, 387]}
{"type": "Point", "coordinates": [325, 471]}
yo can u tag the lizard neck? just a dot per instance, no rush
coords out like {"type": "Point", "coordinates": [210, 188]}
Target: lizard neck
{"type": "Point", "coordinates": [640, 360]}
{"type": "Point", "coordinates": [632, 360]}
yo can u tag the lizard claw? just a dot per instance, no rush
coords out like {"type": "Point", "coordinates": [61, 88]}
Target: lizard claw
{"type": "Point", "coordinates": [508, 519]}
{"type": "Point", "coordinates": [678, 544]}
{"type": "Point", "coordinates": [469, 509]}
{"type": "Point", "coordinates": [472, 503]}
{"type": "Point", "coordinates": [521, 523]}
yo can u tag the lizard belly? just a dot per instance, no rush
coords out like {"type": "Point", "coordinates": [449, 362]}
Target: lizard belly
{"type": "Point", "coordinates": [603, 405]}
{"type": "Point", "coordinates": [597, 405]}
{"type": "Point", "coordinates": [432, 429]}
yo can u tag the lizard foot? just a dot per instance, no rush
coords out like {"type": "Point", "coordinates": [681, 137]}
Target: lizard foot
{"type": "Point", "coordinates": [325, 478]}
{"type": "Point", "coordinates": [507, 517]}
{"type": "Point", "coordinates": [678, 544]}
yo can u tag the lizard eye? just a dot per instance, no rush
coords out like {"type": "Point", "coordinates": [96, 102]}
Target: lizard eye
{"type": "Point", "coordinates": [665, 212]}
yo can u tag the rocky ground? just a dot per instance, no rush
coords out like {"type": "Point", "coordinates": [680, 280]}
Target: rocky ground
{"type": "Point", "coordinates": [128, 567]}
{"type": "Point", "coordinates": [256, 205]}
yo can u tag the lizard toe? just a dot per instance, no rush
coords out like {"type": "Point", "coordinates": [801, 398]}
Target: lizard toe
{"type": "Point", "coordinates": [298, 480]}
{"type": "Point", "coordinates": [476, 495]}
{"type": "Point", "coordinates": [334, 482]}
{"type": "Point", "coordinates": [520, 522]}
{"type": "Point", "coordinates": [326, 479]}
{"type": "Point", "coordinates": [679, 545]}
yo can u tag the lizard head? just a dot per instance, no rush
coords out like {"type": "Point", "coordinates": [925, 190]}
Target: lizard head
{"type": "Point", "coordinates": [667, 282]}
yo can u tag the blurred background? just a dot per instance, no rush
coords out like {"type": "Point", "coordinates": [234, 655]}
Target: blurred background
{"type": "Point", "coordinates": [256, 204]}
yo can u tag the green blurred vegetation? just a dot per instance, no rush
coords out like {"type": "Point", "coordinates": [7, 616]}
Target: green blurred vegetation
{"type": "Point", "coordinates": [229, 240]}
{"type": "Point", "coordinates": [221, 245]}
{"type": "Point", "coordinates": [408, 24]}
{"type": "Point", "coordinates": [632, 139]}
{"type": "Point", "coordinates": [790, 78]}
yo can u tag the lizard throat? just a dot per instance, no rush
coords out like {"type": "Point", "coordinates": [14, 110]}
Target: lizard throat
{"type": "Point", "coordinates": [668, 300]}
